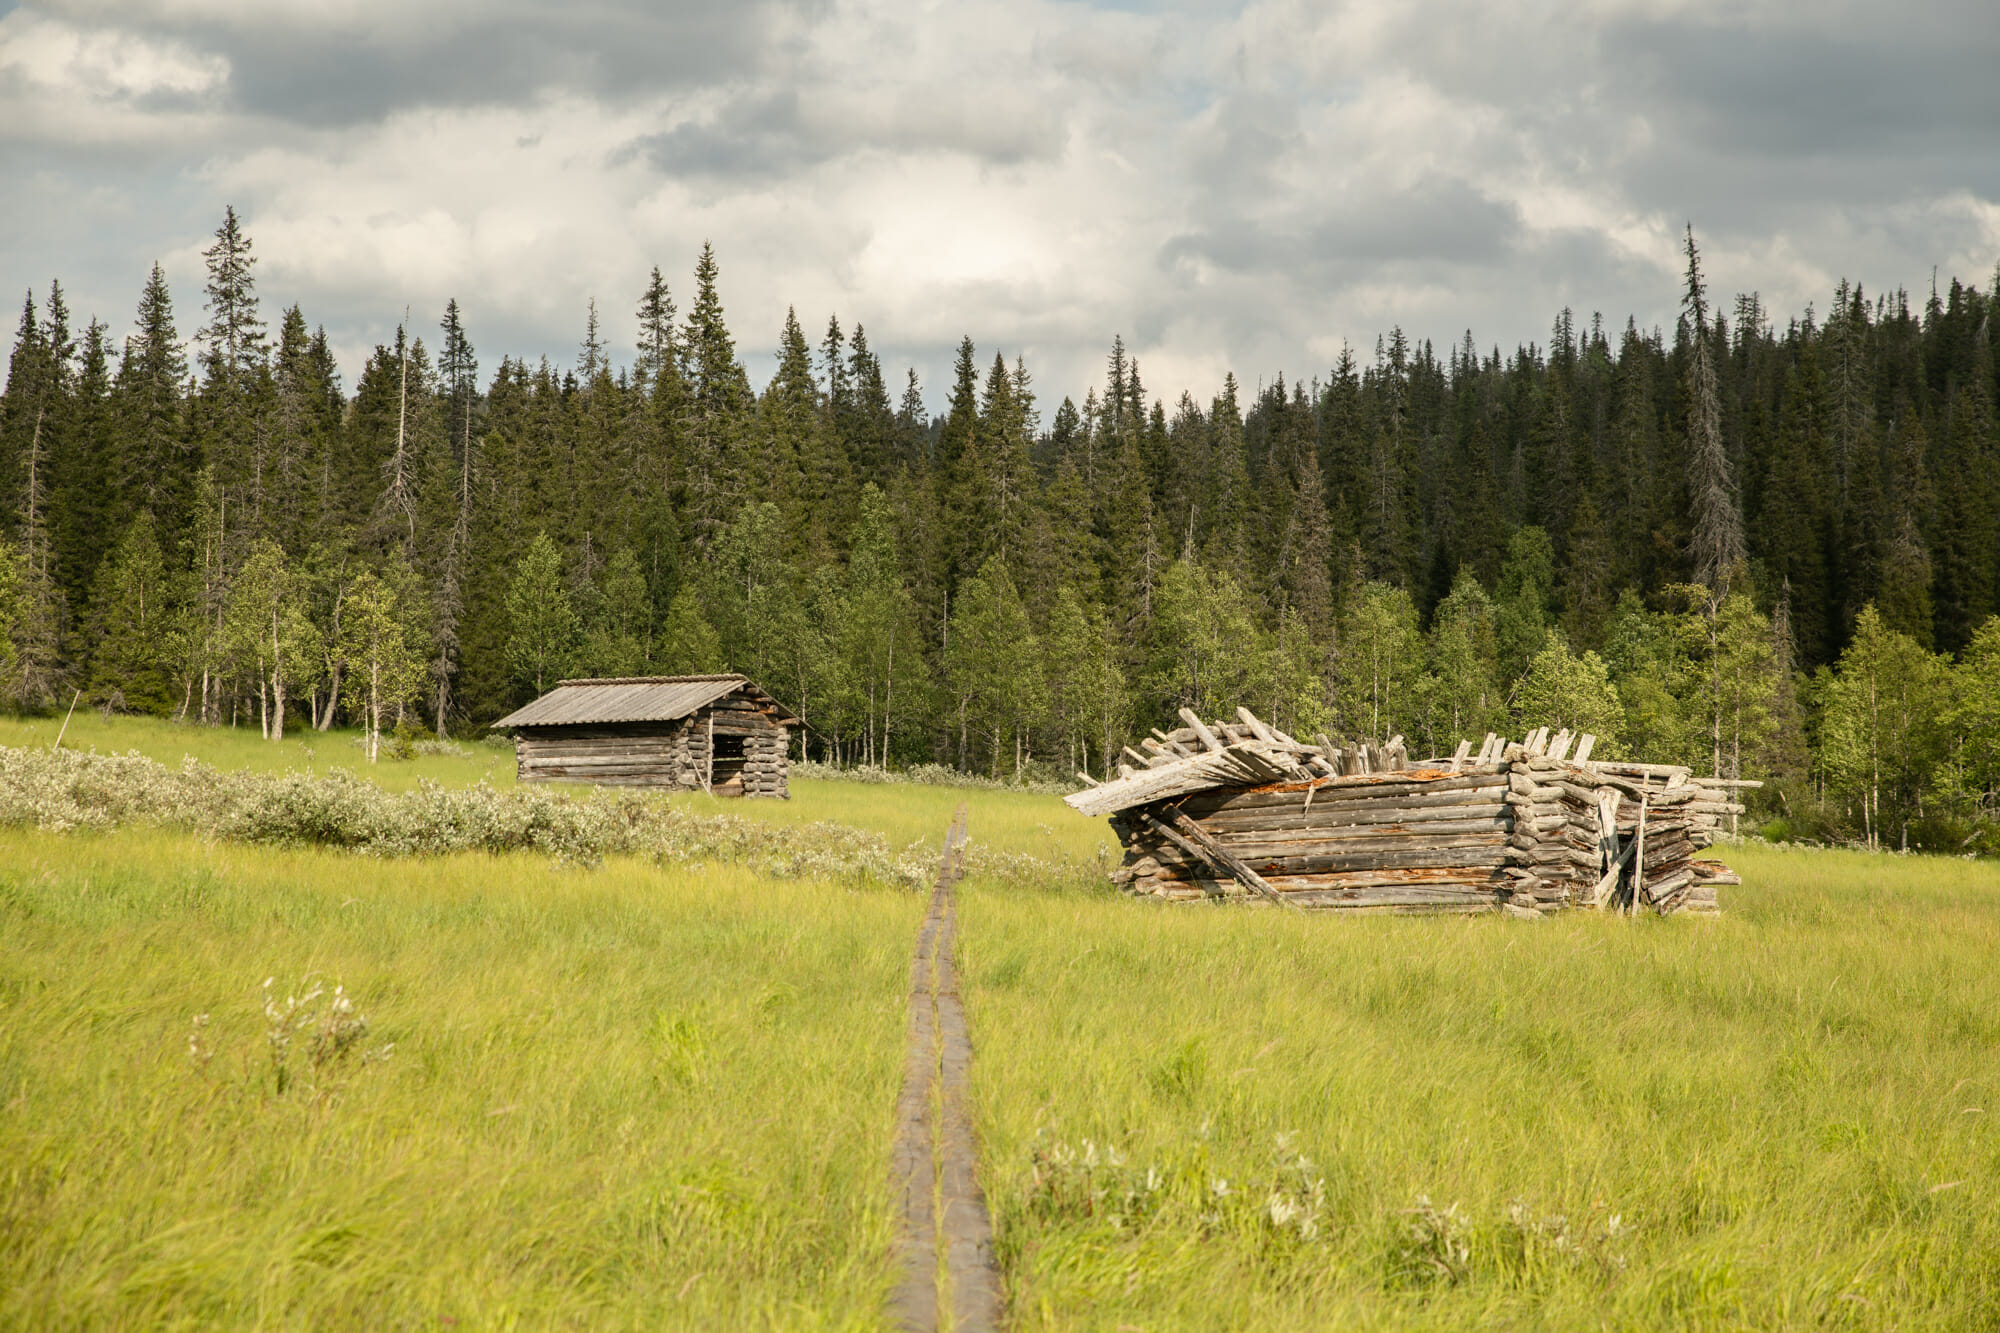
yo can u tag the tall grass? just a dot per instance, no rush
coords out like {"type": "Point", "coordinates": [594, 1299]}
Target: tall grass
{"type": "Point", "coordinates": [616, 1098]}
{"type": "Point", "coordinates": [1197, 1117]}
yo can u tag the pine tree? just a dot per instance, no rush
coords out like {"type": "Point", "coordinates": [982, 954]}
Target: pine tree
{"type": "Point", "coordinates": [129, 664]}
{"type": "Point", "coordinates": [1306, 553]}
{"type": "Point", "coordinates": [35, 402]}
{"type": "Point", "coordinates": [458, 375]}
{"type": "Point", "coordinates": [1967, 528]}
{"type": "Point", "coordinates": [715, 405]}
{"type": "Point", "coordinates": [657, 351]}
{"type": "Point", "coordinates": [544, 622]}
{"type": "Point", "coordinates": [1901, 589]}
{"type": "Point", "coordinates": [235, 377]}
{"type": "Point", "coordinates": [1794, 529]}
{"type": "Point", "coordinates": [157, 459]}
{"type": "Point", "coordinates": [1717, 543]}
{"type": "Point", "coordinates": [82, 507]}
{"type": "Point", "coordinates": [961, 420]}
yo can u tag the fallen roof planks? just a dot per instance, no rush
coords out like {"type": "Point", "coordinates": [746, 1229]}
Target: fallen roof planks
{"type": "Point", "coordinates": [1242, 811]}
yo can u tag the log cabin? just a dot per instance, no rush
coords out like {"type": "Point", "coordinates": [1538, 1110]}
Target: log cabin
{"type": "Point", "coordinates": [720, 734]}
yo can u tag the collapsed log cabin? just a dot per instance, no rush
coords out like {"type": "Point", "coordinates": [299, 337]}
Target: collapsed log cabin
{"type": "Point", "coordinates": [716, 733]}
{"type": "Point", "coordinates": [1240, 810]}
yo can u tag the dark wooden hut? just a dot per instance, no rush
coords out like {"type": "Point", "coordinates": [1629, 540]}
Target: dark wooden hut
{"type": "Point", "coordinates": [715, 733]}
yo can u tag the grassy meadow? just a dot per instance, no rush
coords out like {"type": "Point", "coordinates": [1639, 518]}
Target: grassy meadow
{"type": "Point", "coordinates": [626, 1097]}
{"type": "Point", "coordinates": [1208, 1118]}
{"type": "Point", "coordinates": [661, 1095]}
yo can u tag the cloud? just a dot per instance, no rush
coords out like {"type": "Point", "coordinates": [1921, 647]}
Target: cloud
{"type": "Point", "coordinates": [1230, 186]}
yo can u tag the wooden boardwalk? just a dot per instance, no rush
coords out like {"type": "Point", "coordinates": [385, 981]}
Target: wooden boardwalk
{"type": "Point", "coordinates": [948, 1279]}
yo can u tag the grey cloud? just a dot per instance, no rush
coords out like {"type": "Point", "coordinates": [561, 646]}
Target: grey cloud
{"type": "Point", "coordinates": [1437, 220]}
{"type": "Point", "coordinates": [298, 71]}
{"type": "Point", "coordinates": [1836, 136]}
{"type": "Point", "coordinates": [760, 135]}
{"type": "Point", "coordinates": [1758, 91]}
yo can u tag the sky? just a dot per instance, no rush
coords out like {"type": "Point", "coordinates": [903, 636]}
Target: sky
{"type": "Point", "coordinates": [1229, 187]}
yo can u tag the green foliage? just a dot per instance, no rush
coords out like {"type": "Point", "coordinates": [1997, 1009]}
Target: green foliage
{"type": "Point", "coordinates": [617, 641]}
{"type": "Point", "coordinates": [689, 645]}
{"type": "Point", "coordinates": [380, 649]}
{"type": "Point", "coordinates": [1648, 663]}
{"type": "Point", "coordinates": [1208, 651]}
{"type": "Point", "coordinates": [130, 664]}
{"type": "Point", "coordinates": [1562, 689]}
{"type": "Point", "coordinates": [993, 666]}
{"type": "Point", "coordinates": [1381, 662]}
{"type": "Point", "coordinates": [1527, 581]}
{"type": "Point", "coordinates": [543, 623]}
{"type": "Point", "coordinates": [1879, 732]}
{"type": "Point", "coordinates": [1218, 547]}
{"type": "Point", "coordinates": [1461, 693]}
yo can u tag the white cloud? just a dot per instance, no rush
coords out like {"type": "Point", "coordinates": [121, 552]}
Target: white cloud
{"type": "Point", "coordinates": [60, 83]}
{"type": "Point", "coordinates": [1240, 188]}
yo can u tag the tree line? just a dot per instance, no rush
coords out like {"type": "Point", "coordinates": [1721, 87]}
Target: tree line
{"type": "Point", "coordinates": [1763, 550]}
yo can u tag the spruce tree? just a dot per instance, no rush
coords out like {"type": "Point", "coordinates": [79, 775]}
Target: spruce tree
{"type": "Point", "coordinates": [1716, 545]}
{"type": "Point", "coordinates": [155, 455]}
{"type": "Point", "coordinates": [542, 618]}
{"type": "Point", "coordinates": [131, 619]}
{"type": "Point", "coordinates": [715, 404]}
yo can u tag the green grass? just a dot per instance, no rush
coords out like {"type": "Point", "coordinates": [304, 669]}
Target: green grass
{"type": "Point", "coordinates": [637, 1095]}
{"type": "Point", "coordinates": [620, 1098]}
{"type": "Point", "coordinates": [245, 748]}
{"type": "Point", "coordinates": [1791, 1110]}
{"type": "Point", "coordinates": [1021, 823]}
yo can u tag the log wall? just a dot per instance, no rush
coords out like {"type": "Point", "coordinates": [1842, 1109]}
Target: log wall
{"type": "Point", "coordinates": [1522, 835]}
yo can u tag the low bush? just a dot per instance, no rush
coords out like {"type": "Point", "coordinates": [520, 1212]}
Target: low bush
{"type": "Point", "coordinates": [63, 789]}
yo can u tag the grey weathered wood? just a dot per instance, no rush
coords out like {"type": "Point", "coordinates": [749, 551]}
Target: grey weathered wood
{"type": "Point", "coordinates": [1257, 728]}
{"type": "Point", "coordinates": [1208, 738]}
{"type": "Point", "coordinates": [1188, 836]}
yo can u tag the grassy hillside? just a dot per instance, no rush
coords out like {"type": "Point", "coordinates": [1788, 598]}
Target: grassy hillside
{"type": "Point", "coordinates": [1783, 1118]}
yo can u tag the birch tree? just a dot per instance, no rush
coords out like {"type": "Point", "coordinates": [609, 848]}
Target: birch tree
{"type": "Point", "coordinates": [377, 646]}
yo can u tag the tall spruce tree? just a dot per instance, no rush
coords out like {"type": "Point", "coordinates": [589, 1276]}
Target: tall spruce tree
{"type": "Point", "coordinates": [1716, 546]}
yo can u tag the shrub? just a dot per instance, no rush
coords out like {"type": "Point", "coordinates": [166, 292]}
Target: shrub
{"type": "Point", "coordinates": [65, 789]}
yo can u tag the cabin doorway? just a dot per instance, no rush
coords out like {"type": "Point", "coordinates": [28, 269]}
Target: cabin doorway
{"type": "Point", "coordinates": [726, 775]}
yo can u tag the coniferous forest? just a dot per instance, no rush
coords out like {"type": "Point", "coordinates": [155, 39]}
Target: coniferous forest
{"type": "Point", "coordinates": [1764, 548]}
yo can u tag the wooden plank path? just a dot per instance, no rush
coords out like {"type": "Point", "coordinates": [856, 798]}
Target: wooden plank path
{"type": "Point", "coordinates": [947, 1277]}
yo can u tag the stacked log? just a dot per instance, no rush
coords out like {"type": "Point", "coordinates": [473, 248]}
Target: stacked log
{"type": "Point", "coordinates": [1222, 811]}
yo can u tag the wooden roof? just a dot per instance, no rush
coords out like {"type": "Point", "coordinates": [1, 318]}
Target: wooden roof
{"type": "Point", "coordinates": [638, 699]}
